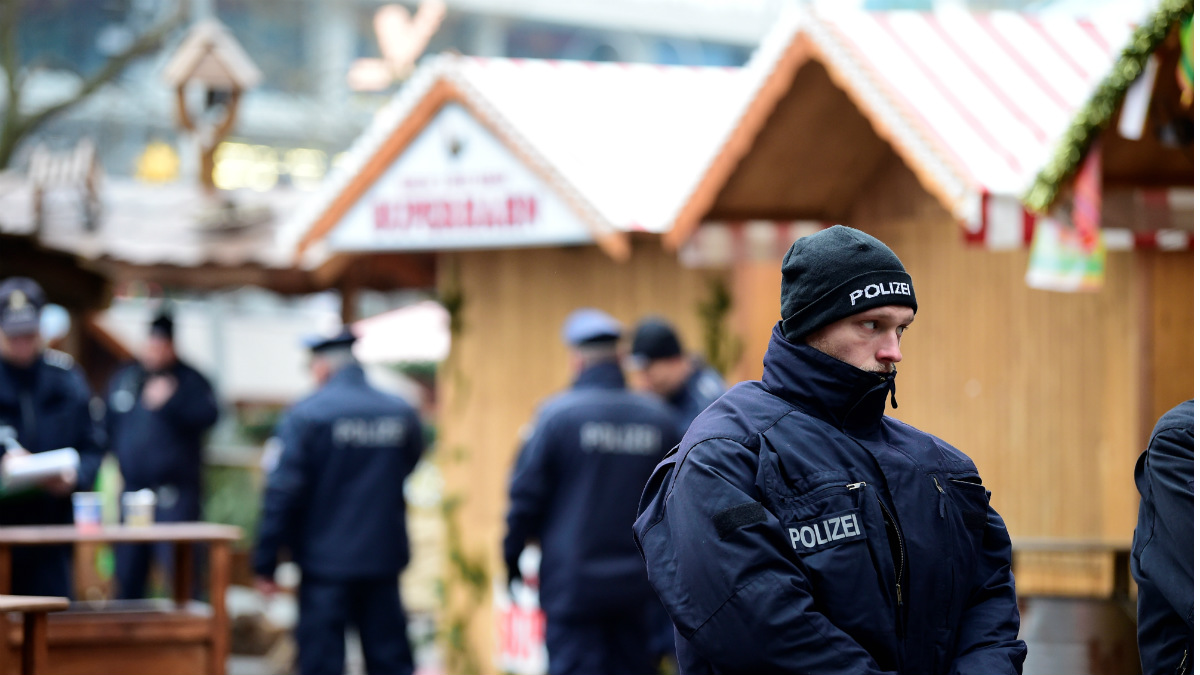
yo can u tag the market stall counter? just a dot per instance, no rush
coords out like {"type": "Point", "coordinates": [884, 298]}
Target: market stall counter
{"type": "Point", "coordinates": [176, 636]}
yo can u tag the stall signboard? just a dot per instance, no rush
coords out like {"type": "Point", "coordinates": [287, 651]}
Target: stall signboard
{"type": "Point", "coordinates": [457, 186]}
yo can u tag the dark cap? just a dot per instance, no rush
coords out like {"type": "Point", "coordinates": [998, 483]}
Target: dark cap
{"type": "Point", "coordinates": [163, 326]}
{"type": "Point", "coordinates": [21, 302]}
{"type": "Point", "coordinates": [322, 343]}
{"type": "Point", "coordinates": [590, 326]}
{"type": "Point", "coordinates": [836, 273]}
{"type": "Point", "coordinates": [654, 339]}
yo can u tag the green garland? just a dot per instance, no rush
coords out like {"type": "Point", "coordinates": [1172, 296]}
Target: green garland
{"type": "Point", "coordinates": [1098, 111]}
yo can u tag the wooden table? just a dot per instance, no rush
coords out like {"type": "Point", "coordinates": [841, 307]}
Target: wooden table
{"type": "Point", "coordinates": [168, 637]}
{"type": "Point", "coordinates": [33, 638]}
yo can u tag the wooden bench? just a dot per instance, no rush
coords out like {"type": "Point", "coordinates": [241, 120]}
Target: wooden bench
{"type": "Point", "coordinates": [33, 608]}
{"type": "Point", "coordinates": [175, 636]}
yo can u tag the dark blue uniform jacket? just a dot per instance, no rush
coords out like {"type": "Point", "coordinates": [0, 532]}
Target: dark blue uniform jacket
{"type": "Point", "coordinates": [336, 498]}
{"type": "Point", "coordinates": [47, 406]}
{"type": "Point", "coordinates": [798, 530]}
{"type": "Point", "coordinates": [699, 390]}
{"type": "Point", "coordinates": [1162, 544]}
{"type": "Point", "coordinates": [162, 447]}
{"type": "Point", "coordinates": [575, 488]}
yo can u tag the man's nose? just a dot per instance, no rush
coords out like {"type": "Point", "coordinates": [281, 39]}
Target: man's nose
{"type": "Point", "coordinates": [889, 351]}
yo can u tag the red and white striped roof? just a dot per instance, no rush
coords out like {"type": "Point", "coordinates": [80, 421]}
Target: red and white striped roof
{"type": "Point", "coordinates": [623, 144]}
{"type": "Point", "coordinates": [977, 100]}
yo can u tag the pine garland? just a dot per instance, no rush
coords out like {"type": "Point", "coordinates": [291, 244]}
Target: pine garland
{"type": "Point", "coordinates": [1098, 112]}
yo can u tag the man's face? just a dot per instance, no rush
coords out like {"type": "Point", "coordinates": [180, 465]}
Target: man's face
{"type": "Point", "coordinates": [20, 350]}
{"type": "Point", "coordinates": [868, 340]}
{"type": "Point", "coordinates": [662, 376]}
{"type": "Point", "coordinates": [158, 353]}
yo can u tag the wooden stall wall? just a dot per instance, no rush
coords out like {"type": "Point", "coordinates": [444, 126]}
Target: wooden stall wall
{"type": "Point", "coordinates": [1042, 389]}
{"type": "Point", "coordinates": [1168, 300]}
{"type": "Point", "coordinates": [507, 356]}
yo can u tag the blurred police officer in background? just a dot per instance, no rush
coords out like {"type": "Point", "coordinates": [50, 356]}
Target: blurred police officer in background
{"type": "Point", "coordinates": [688, 385]}
{"type": "Point", "coordinates": [575, 489]}
{"type": "Point", "coordinates": [335, 499]}
{"type": "Point", "coordinates": [43, 406]}
{"type": "Point", "coordinates": [685, 382]}
{"type": "Point", "coordinates": [1162, 555]}
{"type": "Point", "coordinates": [159, 409]}
{"type": "Point", "coordinates": [798, 529]}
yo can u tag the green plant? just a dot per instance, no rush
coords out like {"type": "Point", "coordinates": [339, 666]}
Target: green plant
{"type": "Point", "coordinates": [722, 348]}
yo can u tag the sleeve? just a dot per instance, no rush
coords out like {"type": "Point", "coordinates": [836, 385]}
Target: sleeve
{"type": "Point", "coordinates": [88, 438]}
{"type": "Point", "coordinates": [284, 496]}
{"type": "Point", "coordinates": [193, 405]}
{"type": "Point", "coordinates": [718, 560]}
{"type": "Point", "coordinates": [987, 640]}
{"type": "Point", "coordinates": [528, 494]}
{"type": "Point", "coordinates": [1169, 473]}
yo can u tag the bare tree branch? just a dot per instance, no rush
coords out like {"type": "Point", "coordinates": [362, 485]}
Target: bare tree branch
{"type": "Point", "coordinates": [17, 126]}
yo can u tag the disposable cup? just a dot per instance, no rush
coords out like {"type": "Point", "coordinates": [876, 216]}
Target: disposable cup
{"type": "Point", "coordinates": [139, 507]}
{"type": "Point", "coordinates": [87, 510]}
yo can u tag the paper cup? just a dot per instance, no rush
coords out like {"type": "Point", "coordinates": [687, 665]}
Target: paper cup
{"type": "Point", "coordinates": [139, 507]}
{"type": "Point", "coordinates": [87, 510]}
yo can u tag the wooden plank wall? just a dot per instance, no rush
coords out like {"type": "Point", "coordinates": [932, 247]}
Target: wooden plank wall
{"type": "Point", "coordinates": [506, 358]}
{"type": "Point", "coordinates": [1042, 389]}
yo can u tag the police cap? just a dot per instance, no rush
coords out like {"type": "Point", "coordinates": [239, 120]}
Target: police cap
{"type": "Point", "coordinates": [322, 343]}
{"type": "Point", "coordinates": [21, 302]}
{"type": "Point", "coordinates": [590, 326]}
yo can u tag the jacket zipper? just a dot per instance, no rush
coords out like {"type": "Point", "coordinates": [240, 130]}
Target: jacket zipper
{"type": "Point", "coordinates": [891, 523]}
{"type": "Point", "coordinates": [941, 497]}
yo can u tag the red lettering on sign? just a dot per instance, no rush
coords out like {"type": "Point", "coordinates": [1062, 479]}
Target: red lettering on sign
{"type": "Point", "coordinates": [515, 211]}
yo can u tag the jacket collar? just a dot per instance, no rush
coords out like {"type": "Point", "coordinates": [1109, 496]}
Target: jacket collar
{"type": "Point", "coordinates": [823, 386]}
{"type": "Point", "coordinates": [348, 374]}
{"type": "Point", "coordinates": [604, 375]}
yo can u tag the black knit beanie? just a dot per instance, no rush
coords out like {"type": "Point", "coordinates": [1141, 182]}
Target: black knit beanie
{"type": "Point", "coordinates": [836, 273]}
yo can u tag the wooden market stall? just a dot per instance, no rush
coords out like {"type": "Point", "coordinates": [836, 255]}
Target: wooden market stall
{"type": "Point", "coordinates": [540, 187]}
{"type": "Point", "coordinates": [924, 130]}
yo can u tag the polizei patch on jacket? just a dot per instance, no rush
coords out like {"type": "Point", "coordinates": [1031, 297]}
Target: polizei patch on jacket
{"type": "Point", "coordinates": [821, 533]}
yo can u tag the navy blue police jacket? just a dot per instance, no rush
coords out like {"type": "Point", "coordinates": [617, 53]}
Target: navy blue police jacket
{"type": "Point", "coordinates": [798, 530]}
{"type": "Point", "coordinates": [336, 497]}
{"type": "Point", "coordinates": [1161, 559]}
{"type": "Point", "coordinates": [47, 407]}
{"type": "Point", "coordinates": [698, 391]}
{"type": "Point", "coordinates": [575, 488]}
{"type": "Point", "coordinates": [162, 447]}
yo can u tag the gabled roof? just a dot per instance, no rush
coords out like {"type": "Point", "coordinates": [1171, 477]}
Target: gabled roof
{"type": "Point", "coordinates": [972, 102]}
{"type": "Point", "coordinates": [1091, 118]}
{"type": "Point", "coordinates": [621, 144]}
{"type": "Point", "coordinates": [211, 52]}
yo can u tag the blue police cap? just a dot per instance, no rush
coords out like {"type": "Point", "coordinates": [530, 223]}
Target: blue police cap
{"type": "Point", "coordinates": [21, 302]}
{"type": "Point", "coordinates": [319, 343]}
{"type": "Point", "coordinates": [590, 325]}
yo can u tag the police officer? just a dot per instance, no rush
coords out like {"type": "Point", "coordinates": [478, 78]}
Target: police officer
{"type": "Point", "coordinates": [43, 406]}
{"type": "Point", "coordinates": [336, 500]}
{"type": "Point", "coordinates": [686, 383]}
{"type": "Point", "coordinates": [574, 489]}
{"type": "Point", "coordinates": [159, 409]}
{"type": "Point", "coordinates": [1161, 560]}
{"type": "Point", "coordinates": [798, 529]}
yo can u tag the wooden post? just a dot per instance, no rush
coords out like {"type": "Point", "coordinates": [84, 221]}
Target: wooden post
{"type": "Point", "coordinates": [5, 569]}
{"type": "Point", "coordinates": [34, 653]}
{"type": "Point", "coordinates": [184, 567]}
{"type": "Point", "coordinates": [219, 560]}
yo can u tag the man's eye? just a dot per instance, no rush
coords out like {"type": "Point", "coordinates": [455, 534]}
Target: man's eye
{"type": "Point", "coordinates": [900, 330]}
{"type": "Point", "coordinates": [869, 325]}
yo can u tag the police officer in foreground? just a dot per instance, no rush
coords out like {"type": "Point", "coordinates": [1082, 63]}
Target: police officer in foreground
{"type": "Point", "coordinates": [1161, 559]}
{"type": "Point", "coordinates": [685, 382]}
{"type": "Point", "coordinates": [574, 490]}
{"type": "Point", "coordinates": [797, 529]}
{"type": "Point", "coordinates": [43, 406]}
{"type": "Point", "coordinates": [335, 499]}
{"type": "Point", "coordinates": [159, 410]}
